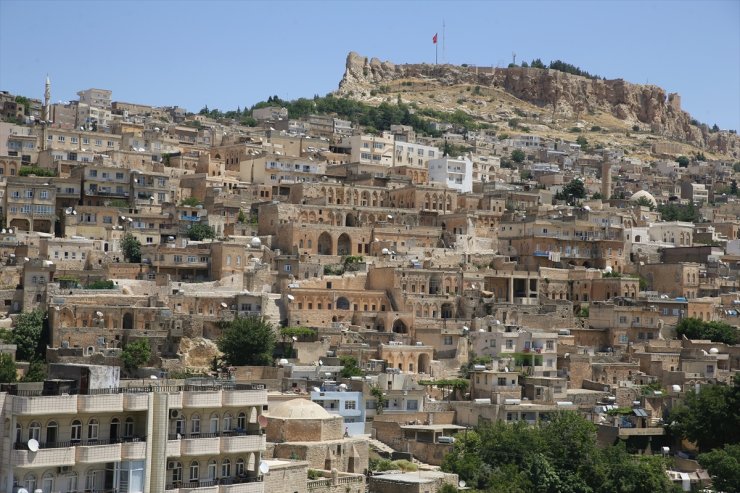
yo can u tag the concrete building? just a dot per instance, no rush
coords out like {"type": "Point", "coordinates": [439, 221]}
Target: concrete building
{"type": "Point", "coordinates": [453, 173]}
{"type": "Point", "coordinates": [86, 430]}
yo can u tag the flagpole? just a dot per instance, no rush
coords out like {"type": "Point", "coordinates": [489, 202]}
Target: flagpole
{"type": "Point", "coordinates": [436, 49]}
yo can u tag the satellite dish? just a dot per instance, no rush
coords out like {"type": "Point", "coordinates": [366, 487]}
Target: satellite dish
{"type": "Point", "coordinates": [264, 467]}
{"type": "Point", "coordinates": [153, 377]}
{"type": "Point", "coordinates": [283, 361]}
{"type": "Point", "coordinates": [26, 259]}
{"type": "Point", "coordinates": [99, 314]}
{"type": "Point", "coordinates": [74, 213]}
{"type": "Point", "coordinates": [33, 445]}
{"type": "Point", "coordinates": [321, 363]}
{"type": "Point", "coordinates": [4, 230]}
{"type": "Point", "coordinates": [68, 210]}
{"type": "Point", "coordinates": [294, 338]}
{"type": "Point", "coordinates": [123, 218]}
{"type": "Point", "coordinates": [22, 490]}
{"type": "Point", "coordinates": [462, 483]}
{"type": "Point", "coordinates": [389, 216]}
{"type": "Point", "coordinates": [224, 305]}
{"type": "Point", "coordinates": [316, 389]}
{"type": "Point", "coordinates": [262, 420]}
{"type": "Point", "coordinates": [465, 328]}
{"type": "Point", "coordinates": [290, 297]}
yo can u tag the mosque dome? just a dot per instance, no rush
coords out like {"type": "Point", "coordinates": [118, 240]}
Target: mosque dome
{"type": "Point", "coordinates": [298, 409]}
{"type": "Point", "coordinates": [643, 194]}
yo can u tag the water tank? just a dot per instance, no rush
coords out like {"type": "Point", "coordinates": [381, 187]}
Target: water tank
{"type": "Point", "coordinates": [714, 350]}
{"type": "Point", "coordinates": [255, 242]}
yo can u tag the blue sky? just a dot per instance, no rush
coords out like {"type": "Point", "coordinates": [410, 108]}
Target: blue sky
{"type": "Point", "coordinates": [235, 53]}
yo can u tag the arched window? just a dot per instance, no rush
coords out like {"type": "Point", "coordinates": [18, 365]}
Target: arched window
{"type": "Point", "coordinates": [227, 422]}
{"type": "Point", "coordinates": [212, 469]}
{"type": "Point", "coordinates": [76, 431]}
{"type": "Point", "coordinates": [128, 427]}
{"type": "Point", "coordinates": [47, 482]}
{"type": "Point", "coordinates": [241, 421]}
{"type": "Point", "coordinates": [34, 431]}
{"type": "Point", "coordinates": [30, 482]}
{"type": "Point", "coordinates": [226, 468]}
{"type": "Point", "coordinates": [214, 423]}
{"type": "Point", "coordinates": [18, 433]}
{"type": "Point", "coordinates": [194, 470]}
{"type": "Point", "coordinates": [92, 429]}
{"type": "Point", "coordinates": [239, 466]}
{"type": "Point", "coordinates": [72, 481]}
{"type": "Point", "coordinates": [195, 424]}
{"type": "Point", "coordinates": [51, 432]}
{"type": "Point", "coordinates": [176, 472]}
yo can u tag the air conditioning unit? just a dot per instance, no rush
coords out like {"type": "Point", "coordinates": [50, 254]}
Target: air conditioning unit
{"type": "Point", "coordinates": [174, 413]}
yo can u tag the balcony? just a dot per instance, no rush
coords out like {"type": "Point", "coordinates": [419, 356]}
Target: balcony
{"type": "Point", "coordinates": [242, 443]}
{"type": "Point", "coordinates": [200, 400]}
{"type": "Point", "coordinates": [135, 402]}
{"type": "Point", "coordinates": [205, 486]}
{"type": "Point", "coordinates": [133, 451]}
{"type": "Point", "coordinates": [200, 446]}
{"type": "Point", "coordinates": [257, 487]}
{"type": "Point", "coordinates": [242, 398]}
{"type": "Point", "coordinates": [100, 403]}
{"type": "Point", "coordinates": [49, 457]}
{"type": "Point", "coordinates": [45, 405]}
{"type": "Point", "coordinates": [90, 454]}
{"type": "Point", "coordinates": [173, 448]}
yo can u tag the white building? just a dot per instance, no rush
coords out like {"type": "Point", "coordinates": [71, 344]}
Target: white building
{"type": "Point", "coordinates": [349, 405]}
{"type": "Point", "coordinates": [100, 98]}
{"type": "Point", "coordinates": [453, 173]}
{"type": "Point", "coordinates": [385, 150]}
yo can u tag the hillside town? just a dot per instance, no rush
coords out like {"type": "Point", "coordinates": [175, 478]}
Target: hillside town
{"type": "Point", "coordinates": [290, 298]}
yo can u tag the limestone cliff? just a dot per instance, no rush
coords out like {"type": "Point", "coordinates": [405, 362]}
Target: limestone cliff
{"type": "Point", "coordinates": [564, 94]}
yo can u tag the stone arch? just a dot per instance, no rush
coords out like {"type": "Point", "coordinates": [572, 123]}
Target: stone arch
{"type": "Point", "coordinates": [20, 224]}
{"type": "Point", "coordinates": [128, 321]}
{"type": "Point", "coordinates": [351, 220]}
{"type": "Point", "coordinates": [447, 310]}
{"type": "Point", "coordinates": [423, 364]}
{"type": "Point", "coordinates": [399, 327]}
{"type": "Point", "coordinates": [344, 245]}
{"type": "Point", "coordinates": [324, 245]}
{"type": "Point", "coordinates": [342, 303]}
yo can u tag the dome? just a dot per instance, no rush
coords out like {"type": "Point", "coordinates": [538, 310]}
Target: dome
{"type": "Point", "coordinates": [299, 409]}
{"type": "Point", "coordinates": [255, 242]}
{"type": "Point", "coordinates": [642, 193]}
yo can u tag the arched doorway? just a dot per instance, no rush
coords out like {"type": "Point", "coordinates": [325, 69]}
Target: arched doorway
{"type": "Point", "coordinates": [399, 327]}
{"type": "Point", "coordinates": [128, 321]}
{"type": "Point", "coordinates": [447, 310]}
{"type": "Point", "coordinates": [423, 366]}
{"type": "Point", "coordinates": [342, 303]}
{"type": "Point", "coordinates": [351, 220]}
{"type": "Point", "coordinates": [324, 245]}
{"type": "Point", "coordinates": [344, 245]}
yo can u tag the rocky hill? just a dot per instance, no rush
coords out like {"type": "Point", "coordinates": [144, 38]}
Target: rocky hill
{"type": "Point", "coordinates": [559, 95]}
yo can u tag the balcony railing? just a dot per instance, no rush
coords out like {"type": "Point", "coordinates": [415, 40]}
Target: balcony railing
{"type": "Point", "coordinates": [79, 443]}
{"type": "Point", "coordinates": [213, 482]}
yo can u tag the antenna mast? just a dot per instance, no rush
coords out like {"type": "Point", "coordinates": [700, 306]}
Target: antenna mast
{"type": "Point", "coordinates": [513, 56]}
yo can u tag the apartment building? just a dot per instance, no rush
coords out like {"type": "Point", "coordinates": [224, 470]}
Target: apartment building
{"type": "Point", "coordinates": [29, 203]}
{"type": "Point", "coordinates": [87, 430]}
{"type": "Point", "coordinates": [452, 173]}
{"type": "Point", "coordinates": [387, 151]}
{"type": "Point", "coordinates": [100, 98]}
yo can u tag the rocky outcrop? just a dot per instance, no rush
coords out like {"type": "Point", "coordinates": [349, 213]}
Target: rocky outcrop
{"type": "Point", "coordinates": [565, 94]}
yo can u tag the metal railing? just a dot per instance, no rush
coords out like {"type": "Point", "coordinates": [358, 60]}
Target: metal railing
{"type": "Point", "coordinates": [80, 443]}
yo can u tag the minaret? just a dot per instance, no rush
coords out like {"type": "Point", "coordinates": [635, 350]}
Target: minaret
{"type": "Point", "coordinates": [47, 100]}
{"type": "Point", "coordinates": [606, 179]}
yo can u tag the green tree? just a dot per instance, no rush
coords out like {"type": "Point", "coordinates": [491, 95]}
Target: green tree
{"type": "Point", "coordinates": [27, 335]}
{"type": "Point", "coordinates": [201, 231]}
{"type": "Point", "coordinates": [131, 248]}
{"type": "Point", "coordinates": [518, 156]}
{"type": "Point", "coordinates": [693, 328]}
{"type": "Point", "coordinates": [190, 201]}
{"type": "Point", "coordinates": [571, 192]}
{"type": "Point", "coordinates": [583, 142]}
{"type": "Point", "coordinates": [36, 371]}
{"type": "Point", "coordinates": [349, 367]}
{"type": "Point", "coordinates": [679, 212]}
{"type": "Point", "coordinates": [242, 218]}
{"type": "Point", "coordinates": [710, 417]}
{"type": "Point", "coordinates": [645, 202]}
{"type": "Point", "coordinates": [380, 399]}
{"type": "Point", "coordinates": [136, 354]}
{"type": "Point", "coordinates": [8, 369]}
{"type": "Point", "coordinates": [682, 161]}
{"type": "Point", "coordinates": [247, 341]}
{"type": "Point", "coordinates": [723, 466]}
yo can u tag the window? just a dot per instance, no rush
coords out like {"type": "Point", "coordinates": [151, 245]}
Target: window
{"type": "Point", "coordinates": [412, 405]}
{"type": "Point", "coordinates": [287, 267]}
{"type": "Point", "coordinates": [226, 468]}
{"type": "Point", "coordinates": [30, 482]}
{"type": "Point", "coordinates": [549, 345]}
{"type": "Point", "coordinates": [76, 431]}
{"type": "Point", "coordinates": [98, 142]}
{"type": "Point", "coordinates": [34, 431]}
{"type": "Point", "coordinates": [128, 427]}
{"type": "Point", "coordinates": [350, 405]}
{"type": "Point", "coordinates": [29, 194]}
{"type": "Point", "coordinates": [448, 340]}
{"type": "Point", "coordinates": [212, 467]}
{"type": "Point", "coordinates": [241, 422]}
{"type": "Point", "coordinates": [44, 194]}
{"type": "Point", "coordinates": [509, 344]}
{"type": "Point", "coordinates": [195, 424]}
{"type": "Point", "coordinates": [177, 472]}
{"type": "Point", "coordinates": [61, 138]}
{"type": "Point", "coordinates": [227, 422]}
{"type": "Point", "coordinates": [239, 467]}
{"type": "Point", "coordinates": [92, 429]}
{"type": "Point", "coordinates": [194, 470]}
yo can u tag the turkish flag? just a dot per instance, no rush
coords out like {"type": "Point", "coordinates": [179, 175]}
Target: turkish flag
{"type": "Point", "coordinates": [434, 39]}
